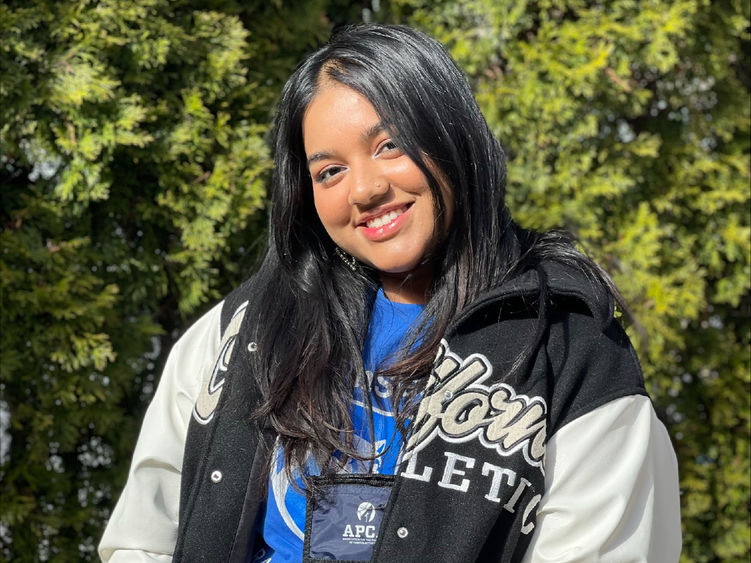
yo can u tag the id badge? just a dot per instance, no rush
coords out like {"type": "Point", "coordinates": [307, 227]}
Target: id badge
{"type": "Point", "coordinates": [342, 523]}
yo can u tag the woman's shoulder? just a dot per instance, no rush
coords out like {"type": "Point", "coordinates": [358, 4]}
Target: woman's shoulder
{"type": "Point", "coordinates": [204, 329]}
{"type": "Point", "coordinates": [200, 344]}
{"type": "Point", "coordinates": [588, 357]}
{"type": "Point", "coordinates": [236, 301]}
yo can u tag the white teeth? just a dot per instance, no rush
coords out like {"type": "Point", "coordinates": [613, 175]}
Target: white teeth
{"type": "Point", "coordinates": [385, 219]}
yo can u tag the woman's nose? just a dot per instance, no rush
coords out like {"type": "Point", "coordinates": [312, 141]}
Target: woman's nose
{"type": "Point", "coordinates": [367, 188]}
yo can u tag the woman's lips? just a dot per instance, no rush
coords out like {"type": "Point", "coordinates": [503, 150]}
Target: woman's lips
{"type": "Point", "coordinates": [383, 226]}
{"type": "Point", "coordinates": [385, 219]}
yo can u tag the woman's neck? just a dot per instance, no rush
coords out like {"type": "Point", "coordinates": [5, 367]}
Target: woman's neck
{"type": "Point", "coordinates": [408, 288]}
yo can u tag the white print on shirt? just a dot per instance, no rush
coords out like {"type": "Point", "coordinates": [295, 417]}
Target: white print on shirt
{"type": "Point", "coordinates": [499, 482]}
{"type": "Point", "coordinates": [279, 488]}
{"type": "Point", "coordinates": [382, 388]}
{"type": "Point", "coordinates": [458, 408]}
{"type": "Point", "coordinates": [211, 387]}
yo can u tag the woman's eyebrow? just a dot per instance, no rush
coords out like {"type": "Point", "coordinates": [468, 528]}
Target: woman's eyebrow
{"type": "Point", "coordinates": [372, 131]}
{"type": "Point", "coordinates": [321, 155]}
{"type": "Point", "coordinates": [366, 136]}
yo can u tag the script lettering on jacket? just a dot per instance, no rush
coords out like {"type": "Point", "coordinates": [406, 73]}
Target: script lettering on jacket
{"type": "Point", "coordinates": [503, 485]}
{"type": "Point", "coordinates": [211, 387]}
{"type": "Point", "coordinates": [458, 408]}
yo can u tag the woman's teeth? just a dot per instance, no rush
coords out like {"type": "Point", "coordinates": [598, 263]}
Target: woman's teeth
{"type": "Point", "coordinates": [385, 219]}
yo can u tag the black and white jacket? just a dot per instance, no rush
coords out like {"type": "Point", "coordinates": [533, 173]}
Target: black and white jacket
{"type": "Point", "coordinates": [562, 459]}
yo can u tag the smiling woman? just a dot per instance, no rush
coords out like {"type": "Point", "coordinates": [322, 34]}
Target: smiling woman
{"type": "Point", "coordinates": [373, 201]}
{"type": "Point", "coordinates": [409, 375]}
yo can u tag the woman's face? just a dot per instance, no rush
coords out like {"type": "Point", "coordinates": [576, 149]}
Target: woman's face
{"type": "Point", "coordinates": [373, 200]}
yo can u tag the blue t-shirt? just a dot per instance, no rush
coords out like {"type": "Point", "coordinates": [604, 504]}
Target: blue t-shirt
{"type": "Point", "coordinates": [284, 521]}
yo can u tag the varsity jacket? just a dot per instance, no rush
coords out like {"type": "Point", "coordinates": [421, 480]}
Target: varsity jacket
{"type": "Point", "coordinates": [560, 458]}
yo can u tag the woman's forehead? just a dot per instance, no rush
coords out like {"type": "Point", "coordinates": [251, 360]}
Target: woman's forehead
{"type": "Point", "coordinates": [337, 112]}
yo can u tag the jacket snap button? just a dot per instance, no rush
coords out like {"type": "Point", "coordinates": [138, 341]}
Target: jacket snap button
{"type": "Point", "coordinates": [402, 532]}
{"type": "Point", "coordinates": [252, 347]}
{"type": "Point", "coordinates": [448, 394]}
{"type": "Point", "coordinates": [216, 476]}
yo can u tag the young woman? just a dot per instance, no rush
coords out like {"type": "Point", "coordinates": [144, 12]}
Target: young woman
{"type": "Point", "coordinates": [409, 376]}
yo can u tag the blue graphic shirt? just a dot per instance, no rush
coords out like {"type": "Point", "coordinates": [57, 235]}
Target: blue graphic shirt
{"type": "Point", "coordinates": [284, 521]}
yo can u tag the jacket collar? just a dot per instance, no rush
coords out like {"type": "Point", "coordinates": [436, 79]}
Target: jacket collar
{"type": "Point", "coordinates": [563, 280]}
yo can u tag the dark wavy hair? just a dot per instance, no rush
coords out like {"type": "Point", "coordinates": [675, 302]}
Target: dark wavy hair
{"type": "Point", "coordinates": [312, 310]}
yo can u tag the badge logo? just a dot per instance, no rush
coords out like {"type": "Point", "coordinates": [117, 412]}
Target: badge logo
{"type": "Point", "coordinates": [343, 524]}
{"type": "Point", "coordinates": [366, 512]}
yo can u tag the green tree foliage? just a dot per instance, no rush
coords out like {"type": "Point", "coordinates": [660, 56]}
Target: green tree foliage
{"type": "Point", "coordinates": [627, 122]}
{"type": "Point", "coordinates": [133, 167]}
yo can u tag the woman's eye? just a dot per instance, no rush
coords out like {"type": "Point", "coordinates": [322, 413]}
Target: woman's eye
{"type": "Point", "coordinates": [387, 147]}
{"type": "Point", "coordinates": [326, 174]}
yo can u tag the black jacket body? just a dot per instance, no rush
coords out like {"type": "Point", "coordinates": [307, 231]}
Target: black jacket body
{"type": "Point", "coordinates": [473, 472]}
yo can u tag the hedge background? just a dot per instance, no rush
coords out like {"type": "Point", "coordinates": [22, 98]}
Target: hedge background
{"type": "Point", "coordinates": [133, 171]}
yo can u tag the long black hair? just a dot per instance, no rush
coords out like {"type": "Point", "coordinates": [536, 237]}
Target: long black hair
{"type": "Point", "coordinates": [311, 309]}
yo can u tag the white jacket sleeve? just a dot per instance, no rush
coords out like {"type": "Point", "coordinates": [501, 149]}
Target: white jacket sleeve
{"type": "Point", "coordinates": [143, 525]}
{"type": "Point", "coordinates": [611, 489]}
